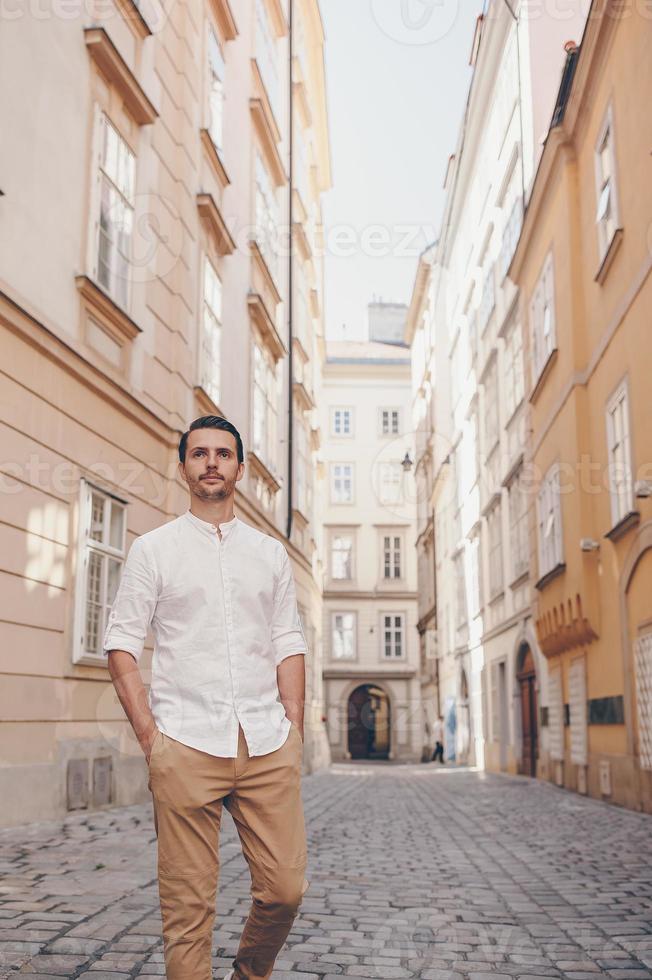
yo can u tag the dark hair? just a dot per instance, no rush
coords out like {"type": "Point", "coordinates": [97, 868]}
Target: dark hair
{"type": "Point", "coordinates": [211, 422]}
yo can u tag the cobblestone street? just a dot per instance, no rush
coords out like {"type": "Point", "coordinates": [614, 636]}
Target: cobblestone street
{"type": "Point", "coordinates": [413, 872]}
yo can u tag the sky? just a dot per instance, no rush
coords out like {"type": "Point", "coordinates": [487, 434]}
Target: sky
{"type": "Point", "coordinates": [397, 74]}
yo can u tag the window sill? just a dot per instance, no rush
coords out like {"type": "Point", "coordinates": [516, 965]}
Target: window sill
{"type": "Point", "coordinates": [101, 305]}
{"type": "Point", "coordinates": [113, 66]}
{"type": "Point", "coordinates": [543, 375]}
{"type": "Point", "coordinates": [214, 159]}
{"type": "Point", "coordinates": [494, 598]}
{"type": "Point", "coordinates": [225, 19]}
{"type": "Point", "coordinates": [266, 327]}
{"type": "Point", "coordinates": [263, 471]}
{"type": "Point", "coordinates": [609, 256]}
{"type": "Point", "coordinates": [215, 224]}
{"type": "Point", "coordinates": [549, 576]}
{"type": "Point", "coordinates": [520, 580]}
{"type": "Point", "coordinates": [206, 403]}
{"type": "Point", "coordinates": [624, 525]}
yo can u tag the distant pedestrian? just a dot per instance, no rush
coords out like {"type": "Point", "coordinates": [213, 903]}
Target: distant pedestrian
{"type": "Point", "coordinates": [438, 737]}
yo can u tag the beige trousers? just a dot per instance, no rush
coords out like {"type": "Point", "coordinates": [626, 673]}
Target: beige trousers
{"type": "Point", "coordinates": [263, 795]}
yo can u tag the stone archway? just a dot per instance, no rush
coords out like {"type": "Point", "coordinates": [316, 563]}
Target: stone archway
{"type": "Point", "coordinates": [526, 676]}
{"type": "Point", "coordinates": [369, 723]}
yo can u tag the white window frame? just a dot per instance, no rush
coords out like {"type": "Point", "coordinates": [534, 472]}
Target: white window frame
{"type": "Point", "coordinates": [495, 551]}
{"type": "Point", "coordinates": [337, 496]}
{"type": "Point", "coordinates": [267, 55]}
{"type": "Point", "coordinates": [391, 424]}
{"type": "Point", "coordinates": [396, 631]}
{"type": "Point", "coordinates": [619, 449]}
{"type": "Point", "coordinates": [607, 209]}
{"type": "Point", "coordinates": [88, 549]}
{"type": "Point", "coordinates": [518, 527]}
{"type": "Point", "coordinates": [339, 428]}
{"type": "Point", "coordinates": [491, 414]}
{"type": "Point", "coordinates": [210, 348]}
{"type": "Point", "coordinates": [542, 317]}
{"type": "Point", "coordinates": [459, 584]}
{"type": "Point", "coordinates": [392, 555]}
{"type": "Point", "coordinates": [302, 473]}
{"type": "Point", "coordinates": [549, 522]}
{"type": "Point", "coordinates": [390, 483]}
{"type": "Point", "coordinates": [215, 89]}
{"type": "Point", "coordinates": [341, 534]}
{"type": "Point", "coordinates": [267, 213]}
{"type": "Point", "coordinates": [264, 404]}
{"type": "Point", "coordinates": [114, 211]}
{"type": "Point", "coordinates": [514, 371]}
{"type": "Point", "coordinates": [353, 630]}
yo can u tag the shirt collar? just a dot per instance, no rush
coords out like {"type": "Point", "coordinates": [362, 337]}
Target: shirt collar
{"type": "Point", "coordinates": [209, 528]}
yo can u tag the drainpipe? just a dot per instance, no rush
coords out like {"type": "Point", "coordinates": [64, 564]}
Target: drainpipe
{"type": "Point", "coordinates": [290, 469]}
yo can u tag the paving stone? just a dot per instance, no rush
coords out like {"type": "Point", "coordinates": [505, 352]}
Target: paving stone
{"type": "Point", "coordinates": [413, 872]}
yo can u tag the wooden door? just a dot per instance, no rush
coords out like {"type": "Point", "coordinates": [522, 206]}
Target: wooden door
{"type": "Point", "coordinates": [527, 679]}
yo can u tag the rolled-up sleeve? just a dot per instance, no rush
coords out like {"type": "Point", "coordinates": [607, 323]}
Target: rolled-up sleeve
{"type": "Point", "coordinates": [134, 604]}
{"type": "Point", "coordinates": [287, 632]}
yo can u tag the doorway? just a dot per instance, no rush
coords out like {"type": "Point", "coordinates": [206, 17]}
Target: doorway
{"type": "Point", "coordinates": [527, 681]}
{"type": "Point", "coordinates": [368, 723]}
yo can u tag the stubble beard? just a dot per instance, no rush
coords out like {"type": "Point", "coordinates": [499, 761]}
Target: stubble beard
{"type": "Point", "coordinates": [213, 491]}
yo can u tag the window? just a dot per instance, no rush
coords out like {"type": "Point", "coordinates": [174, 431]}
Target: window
{"type": "Point", "coordinates": [267, 214]}
{"type": "Point", "coordinates": [265, 406]}
{"type": "Point", "coordinates": [216, 72]}
{"type": "Point", "coordinates": [390, 483]}
{"type": "Point", "coordinates": [491, 418]}
{"type": "Point", "coordinates": [392, 638]}
{"type": "Point", "coordinates": [475, 578]}
{"type": "Point", "coordinates": [487, 300]}
{"type": "Point", "coordinates": [101, 557]}
{"type": "Point", "coordinates": [620, 462]}
{"type": "Point", "coordinates": [267, 55]}
{"type": "Point", "coordinates": [494, 530]}
{"type": "Point", "coordinates": [518, 511]}
{"type": "Point", "coordinates": [461, 613]}
{"type": "Point", "coordinates": [514, 379]}
{"type": "Point", "coordinates": [303, 470]}
{"type": "Point", "coordinates": [117, 187]}
{"type": "Point", "coordinates": [341, 421]}
{"type": "Point", "coordinates": [549, 522]}
{"type": "Point", "coordinates": [389, 421]}
{"type": "Point", "coordinates": [542, 318]}
{"type": "Point", "coordinates": [341, 483]}
{"type": "Point", "coordinates": [391, 556]}
{"type": "Point", "coordinates": [606, 216]}
{"type": "Point", "coordinates": [343, 635]}
{"type": "Point", "coordinates": [342, 557]}
{"type": "Point", "coordinates": [211, 333]}
{"type": "Point", "coordinates": [511, 235]}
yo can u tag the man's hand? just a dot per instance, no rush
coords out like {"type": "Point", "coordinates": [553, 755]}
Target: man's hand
{"type": "Point", "coordinates": [133, 697]}
{"type": "Point", "coordinates": [291, 679]}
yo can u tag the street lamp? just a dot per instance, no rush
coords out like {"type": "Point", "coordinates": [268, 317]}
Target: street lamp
{"type": "Point", "coordinates": [406, 462]}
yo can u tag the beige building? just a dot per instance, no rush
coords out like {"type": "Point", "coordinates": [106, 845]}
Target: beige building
{"type": "Point", "coordinates": [468, 394]}
{"type": "Point", "coordinates": [584, 268]}
{"type": "Point", "coordinates": [371, 652]}
{"type": "Point", "coordinates": [144, 280]}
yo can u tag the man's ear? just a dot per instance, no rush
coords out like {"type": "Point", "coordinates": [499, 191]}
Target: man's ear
{"type": "Point", "coordinates": [182, 472]}
{"type": "Point", "coordinates": [241, 471]}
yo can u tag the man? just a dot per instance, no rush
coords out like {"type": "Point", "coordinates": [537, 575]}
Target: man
{"type": "Point", "coordinates": [438, 736]}
{"type": "Point", "coordinates": [223, 724]}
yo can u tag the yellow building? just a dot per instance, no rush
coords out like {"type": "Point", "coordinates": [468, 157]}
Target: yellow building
{"type": "Point", "coordinates": [583, 266]}
{"type": "Point", "coordinates": [144, 281]}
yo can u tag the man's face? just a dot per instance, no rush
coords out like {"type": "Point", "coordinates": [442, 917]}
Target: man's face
{"type": "Point", "coordinates": [211, 468]}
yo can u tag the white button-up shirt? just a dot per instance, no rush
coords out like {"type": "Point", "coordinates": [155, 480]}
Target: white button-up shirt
{"type": "Point", "coordinates": [224, 615]}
